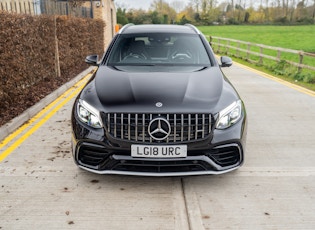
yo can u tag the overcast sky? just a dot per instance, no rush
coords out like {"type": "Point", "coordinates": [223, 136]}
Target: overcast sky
{"type": "Point", "coordinates": [140, 4]}
{"type": "Point", "coordinates": [145, 4]}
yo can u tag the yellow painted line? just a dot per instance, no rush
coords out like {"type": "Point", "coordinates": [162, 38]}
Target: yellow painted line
{"type": "Point", "coordinates": [38, 115]}
{"type": "Point", "coordinates": [283, 82]}
{"type": "Point", "coordinates": [17, 143]}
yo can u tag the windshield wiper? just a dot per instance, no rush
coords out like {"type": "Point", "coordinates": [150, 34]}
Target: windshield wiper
{"type": "Point", "coordinates": [131, 64]}
{"type": "Point", "coordinates": [202, 68]}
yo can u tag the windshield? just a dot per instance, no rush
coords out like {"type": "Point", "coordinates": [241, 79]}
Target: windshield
{"type": "Point", "coordinates": [159, 50]}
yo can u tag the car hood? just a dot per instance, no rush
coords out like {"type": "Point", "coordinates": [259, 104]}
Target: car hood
{"type": "Point", "coordinates": [133, 92]}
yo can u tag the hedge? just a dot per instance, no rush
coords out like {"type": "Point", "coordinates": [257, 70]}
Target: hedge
{"type": "Point", "coordinates": [27, 53]}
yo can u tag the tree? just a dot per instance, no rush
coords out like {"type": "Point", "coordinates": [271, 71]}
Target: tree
{"type": "Point", "coordinates": [195, 4]}
{"type": "Point", "coordinates": [246, 18]}
{"type": "Point", "coordinates": [205, 12]}
{"type": "Point", "coordinates": [209, 12]}
{"type": "Point", "coordinates": [177, 6]}
{"type": "Point", "coordinates": [164, 10]}
{"type": "Point", "coordinates": [138, 17]}
{"type": "Point", "coordinates": [121, 16]}
{"type": "Point", "coordinates": [155, 18]}
{"type": "Point", "coordinates": [189, 14]}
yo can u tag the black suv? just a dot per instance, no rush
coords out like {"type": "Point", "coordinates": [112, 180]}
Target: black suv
{"type": "Point", "coordinates": [158, 105]}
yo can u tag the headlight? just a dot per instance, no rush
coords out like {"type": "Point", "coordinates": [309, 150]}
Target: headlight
{"type": "Point", "coordinates": [89, 115]}
{"type": "Point", "coordinates": [230, 115]}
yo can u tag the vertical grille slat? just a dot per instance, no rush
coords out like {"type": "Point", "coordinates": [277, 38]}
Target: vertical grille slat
{"type": "Point", "coordinates": [210, 123]}
{"type": "Point", "coordinates": [175, 128]}
{"type": "Point", "coordinates": [129, 126]}
{"type": "Point", "coordinates": [196, 128]}
{"type": "Point", "coordinates": [182, 128]}
{"type": "Point", "coordinates": [189, 126]}
{"type": "Point", "coordinates": [150, 120]}
{"type": "Point", "coordinates": [134, 127]}
{"type": "Point", "coordinates": [122, 125]}
{"type": "Point", "coordinates": [203, 125]}
{"type": "Point", "coordinates": [143, 127]}
{"type": "Point", "coordinates": [115, 125]}
{"type": "Point", "coordinates": [108, 123]}
{"type": "Point", "coordinates": [167, 118]}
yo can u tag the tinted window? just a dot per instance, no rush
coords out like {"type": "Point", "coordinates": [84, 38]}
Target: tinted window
{"type": "Point", "coordinates": [159, 49]}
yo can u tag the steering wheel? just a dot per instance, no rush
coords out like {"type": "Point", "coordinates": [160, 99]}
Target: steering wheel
{"type": "Point", "coordinates": [181, 56]}
{"type": "Point", "coordinates": [135, 55]}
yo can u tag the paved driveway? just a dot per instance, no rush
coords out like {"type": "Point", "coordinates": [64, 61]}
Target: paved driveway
{"type": "Point", "coordinates": [41, 188]}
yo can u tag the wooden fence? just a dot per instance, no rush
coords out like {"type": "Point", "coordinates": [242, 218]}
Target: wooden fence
{"type": "Point", "coordinates": [23, 7]}
{"type": "Point", "coordinates": [247, 50]}
{"type": "Point", "coordinates": [51, 7]}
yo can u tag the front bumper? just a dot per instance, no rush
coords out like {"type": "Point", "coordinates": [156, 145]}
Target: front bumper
{"type": "Point", "coordinates": [220, 153]}
{"type": "Point", "coordinates": [100, 163]}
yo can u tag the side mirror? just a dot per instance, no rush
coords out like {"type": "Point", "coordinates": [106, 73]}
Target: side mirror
{"type": "Point", "coordinates": [92, 60]}
{"type": "Point", "coordinates": [226, 61]}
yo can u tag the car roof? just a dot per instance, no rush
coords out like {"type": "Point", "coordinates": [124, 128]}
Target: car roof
{"type": "Point", "coordinates": [158, 28]}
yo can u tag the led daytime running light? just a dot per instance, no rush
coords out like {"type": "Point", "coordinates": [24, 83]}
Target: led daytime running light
{"type": "Point", "coordinates": [89, 115]}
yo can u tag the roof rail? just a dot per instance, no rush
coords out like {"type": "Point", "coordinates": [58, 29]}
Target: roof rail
{"type": "Point", "coordinates": [193, 27]}
{"type": "Point", "coordinates": [125, 27]}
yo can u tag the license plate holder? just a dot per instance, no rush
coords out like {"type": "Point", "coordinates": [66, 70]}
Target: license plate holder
{"type": "Point", "coordinates": [159, 151]}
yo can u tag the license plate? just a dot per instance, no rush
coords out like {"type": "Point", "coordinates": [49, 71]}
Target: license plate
{"type": "Point", "coordinates": [159, 151]}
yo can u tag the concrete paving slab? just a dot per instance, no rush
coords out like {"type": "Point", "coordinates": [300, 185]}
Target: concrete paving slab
{"type": "Point", "coordinates": [275, 187]}
{"type": "Point", "coordinates": [41, 186]}
{"type": "Point", "coordinates": [240, 201]}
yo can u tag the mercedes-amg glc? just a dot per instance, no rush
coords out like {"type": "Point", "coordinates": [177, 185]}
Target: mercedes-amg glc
{"type": "Point", "coordinates": [159, 105]}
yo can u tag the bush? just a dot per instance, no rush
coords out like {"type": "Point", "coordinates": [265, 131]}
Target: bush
{"type": "Point", "coordinates": [305, 21]}
{"type": "Point", "coordinates": [307, 78]}
{"type": "Point", "coordinates": [281, 20]}
{"type": "Point", "coordinates": [77, 38]}
{"type": "Point", "coordinates": [281, 68]}
{"type": "Point", "coordinates": [27, 55]}
{"type": "Point", "coordinates": [232, 21]}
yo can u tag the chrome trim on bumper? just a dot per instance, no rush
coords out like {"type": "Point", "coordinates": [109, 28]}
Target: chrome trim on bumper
{"type": "Point", "coordinates": [128, 173]}
{"type": "Point", "coordinates": [219, 169]}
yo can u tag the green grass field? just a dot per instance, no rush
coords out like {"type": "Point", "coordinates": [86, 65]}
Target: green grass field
{"type": "Point", "coordinates": [291, 37]}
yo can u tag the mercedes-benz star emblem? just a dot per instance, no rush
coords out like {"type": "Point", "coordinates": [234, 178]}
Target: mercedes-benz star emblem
{"type": "Point", "coordinates": [159, 129]}
{"type": "Point", "coordinates": [159, 104]}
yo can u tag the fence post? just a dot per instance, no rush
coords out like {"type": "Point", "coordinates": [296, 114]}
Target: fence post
{"type": "Point", "coordinates": [218, 45]}
{"type": "Point", "coordinates": [238, 49]}
{"type": "Point", "coordinates": [227, 47]}
{"type": "Point", "coordinates": [248, 49]}
{"type": "Point", "coordinates": [260, 56]}
{"type": "Point", "coordinates": [300, 62]}
{"type": "Point", "coordinates": [278, 55]}
{"type": "Point", "coordinates": [57, 62]}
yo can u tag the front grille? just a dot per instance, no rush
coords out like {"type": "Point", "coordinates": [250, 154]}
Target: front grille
{"type": "Point", "coordinates": [134, 127]}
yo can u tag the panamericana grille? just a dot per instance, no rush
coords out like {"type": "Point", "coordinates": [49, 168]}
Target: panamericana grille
{"type": "Point", "coordinates": [134, 127]}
